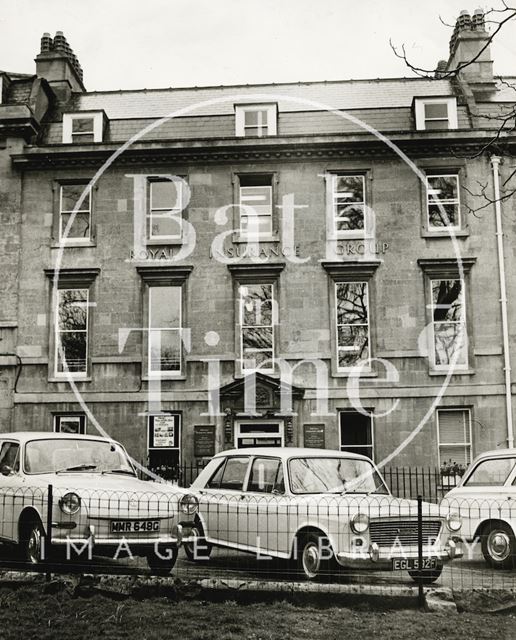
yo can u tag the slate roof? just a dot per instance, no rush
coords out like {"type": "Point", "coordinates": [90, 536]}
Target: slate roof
{"type": "Point", "coordinates": [350, 94]}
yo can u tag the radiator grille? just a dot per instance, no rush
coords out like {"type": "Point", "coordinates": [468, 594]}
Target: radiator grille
{"type": "Point", "coordinates": [388, 532]}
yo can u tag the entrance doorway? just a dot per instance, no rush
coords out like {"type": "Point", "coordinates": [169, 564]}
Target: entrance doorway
{"type": "Point", "coordinates": [251, 433]}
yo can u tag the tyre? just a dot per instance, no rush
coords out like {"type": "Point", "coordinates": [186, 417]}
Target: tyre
{"type": "Point", "coordinates": [314, 555]}
{"type": "Point", "coordinates": [197, 550]}
{"type": "Point", "coordinates": [427, 575]}
{"type": "Point", "coordinates": [498, 545]}
{"type": "Point", "coordinates": [32, 542]}
{"type": "Point", "coordinates": [162, 566]}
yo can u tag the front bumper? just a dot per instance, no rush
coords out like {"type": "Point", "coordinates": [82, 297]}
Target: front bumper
{"type": "Point", "coordinates": [377, 558]}
{"type": "Point", "coordinates": [114, 542]}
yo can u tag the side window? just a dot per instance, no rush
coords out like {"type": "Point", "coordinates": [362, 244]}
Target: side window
{"type": "Point", "coordinates": [214, 481]}
{"type": "Point", "coordinates": [266, 476]}
{"type": "Point", "coordinates": [234, 474]}
{"type": "Point", "coordinates": [9, 457]}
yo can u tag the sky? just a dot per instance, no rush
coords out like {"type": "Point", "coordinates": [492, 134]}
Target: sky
{"type": "Point", "coordinates": [135, 44]}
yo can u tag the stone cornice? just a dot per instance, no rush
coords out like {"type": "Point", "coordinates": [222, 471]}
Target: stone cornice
{"type": "Point", "coordinates": [459, 143]}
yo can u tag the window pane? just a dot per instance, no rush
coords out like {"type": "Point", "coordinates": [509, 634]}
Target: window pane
{"type": "Point", "coordinates": [165, 350]}
{"type": "Point", "coordinates": [165, 307]}
{"type": "Point", "coordinates": [70, 194]}
{"type": "Point", "coordinates": [453, 426]}
{"type": "Point", "coordinates": [349, 217]}
{"type": "Point", "coordinates": [443, 215]}
{"type": "Point", "coordinates": [350, 188]}
{"type": "Point", "coordinates": [83, 138]}
{"type": "Point", "coordinates": [434, 125]}
{"type": "Point", "coordinates": [234, 473]}
{"type": "Point", "coordinates": [256, 301]}
{"type": "Point", "coordinates": [436, 110]}
{"type": "Point", "coordinates": [265, 473]}
{"type": "Point", "coordinates": [73, 309]}
{"type": "Point", "coordinates": [352, 303]}
{"type": "Point", "coordinates": [453, 454]}
{"type": "Point", "coordinates": [257, 338]}
{"type": "Point", "coordinates": [165, 194]}
{"type": "Point", "coordinates": [447, 298]}
{"type": "Point", "coordinates": [353, 345]}
{"type": "Point", "coordinates": [260, 197]}
{"type": "Point", "coordinates": [251, 117]}
{"type": "Point", "coordinates": [355, 429]}
{"type": "Point", "coordinates": [254, 359]}
{"type": "Point", "coordinates": [80, 227]}
{"type": "Point", "coordinates": [73, 345]}
{"type": "Point", "coordinates": [255, 226]}
{"type": "Point", "coordinates": [450, 339]}
{"type": "Point", "coordinates": [491, 472]}
{"type": "Point", "coordinates": [82, 125]}
{"type": "Point", "coordinates": [168, 224]}
{"type": "Point", "coordinates": [442, 188]}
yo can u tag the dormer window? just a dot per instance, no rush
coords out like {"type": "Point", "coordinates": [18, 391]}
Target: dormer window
{"type": "Point", "coordinates": [256, 120]}
{"type": "Point", "coordinates": [436, 113]}
{"type": "Point", "coordinates": [83, 128]}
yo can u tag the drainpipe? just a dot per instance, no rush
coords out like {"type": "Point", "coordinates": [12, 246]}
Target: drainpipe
{"type": "Point", "coordinates": [495, 162]}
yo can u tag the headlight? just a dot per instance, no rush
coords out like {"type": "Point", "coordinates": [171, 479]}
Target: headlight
{"type": "Point", "coordinates": [189, 504]}
{"type": "Point", "coordinates": [454, 522]}
{"type": "Point", "coordinates": [359, 523]}
{"type": "Point", "coordinates": [70, 503]}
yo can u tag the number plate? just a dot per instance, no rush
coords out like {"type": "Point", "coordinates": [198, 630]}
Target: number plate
{"type": "Point", "coordinates": [412, 564]}
{"type": "Point", "coordinates": [134, 526]}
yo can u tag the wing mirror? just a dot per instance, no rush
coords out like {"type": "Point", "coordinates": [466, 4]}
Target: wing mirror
{"type": "Point", "coordinates": [6, 470]}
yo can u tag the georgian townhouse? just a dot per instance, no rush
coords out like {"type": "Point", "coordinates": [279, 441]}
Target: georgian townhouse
{"type": "Point", "coordinates": [306, 264]}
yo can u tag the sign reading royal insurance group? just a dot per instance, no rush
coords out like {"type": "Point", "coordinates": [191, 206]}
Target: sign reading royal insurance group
{"type": "Point", "coordinates": [164, 431]}
{"type": "Point", "coordinates": [359, 248]}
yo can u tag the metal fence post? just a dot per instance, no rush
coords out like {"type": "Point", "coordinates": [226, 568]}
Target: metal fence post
{"type": "Point", "coordinates": [48, 537]}
{"type": "Point", "coordinates": [420, 594]}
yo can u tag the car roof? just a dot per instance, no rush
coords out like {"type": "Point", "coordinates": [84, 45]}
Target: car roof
{"type": "Point", "coordinates": [496, 453]}
{"type": "Point", "coordinates": [25, 436]}
{"type": "Point", "coordinates": [291, 452]}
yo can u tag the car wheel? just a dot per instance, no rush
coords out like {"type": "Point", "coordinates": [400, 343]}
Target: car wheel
{"type": "Point", "coordinates": [427, 576]}
{"type": "Point", "coordinates": [162, 566]}
{"type": "Point", "coordinates": [32, 542]}
{"type": "Point", "coordinates": [314, 555]}
{"type": "Point", "coordinates": [498, 545]}
{"type": "Point", "coordinates": [199, 549]}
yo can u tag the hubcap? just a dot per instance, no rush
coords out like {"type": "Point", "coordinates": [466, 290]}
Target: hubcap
{"type": "Point", "coordinates": [311, 560]}
{"type": "Point", "coordinates": [499, 545]}
{"type": "Point", "coordinates": [34, 546]}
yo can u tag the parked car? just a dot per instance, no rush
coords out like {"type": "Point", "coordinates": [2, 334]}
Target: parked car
{"type": "Point", "coordinates": [319, 508]}
{"type": "Point", "coordinates": [486, 498]}
{"type": "Point", "coordinates": [98, 504]}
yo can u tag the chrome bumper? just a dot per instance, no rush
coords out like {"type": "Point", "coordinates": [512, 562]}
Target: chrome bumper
{"type": "Point", "coordinates": [174, 538]}
{"type": "Point", "coordinates": [377, 558]}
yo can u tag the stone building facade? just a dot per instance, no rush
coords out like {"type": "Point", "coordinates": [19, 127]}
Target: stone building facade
{"type": "Point", "coordinates": [309, 264]}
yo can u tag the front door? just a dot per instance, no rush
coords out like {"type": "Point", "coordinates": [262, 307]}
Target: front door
{"type": "Point", "coordinates": [254, 433]}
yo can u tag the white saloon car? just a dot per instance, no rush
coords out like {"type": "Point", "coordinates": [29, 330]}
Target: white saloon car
{"type": "Point", "coordinates": [315, 507]}
{"type": "Point", "coordinates": [486, 499]}
{"type": "Point", "coordinates": [98, 504]}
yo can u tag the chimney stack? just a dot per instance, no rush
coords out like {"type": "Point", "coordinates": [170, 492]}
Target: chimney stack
{"type": "Point", "coordinates": [57, 63]}
{"type": "Point", "coordinates": [468, 39]}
